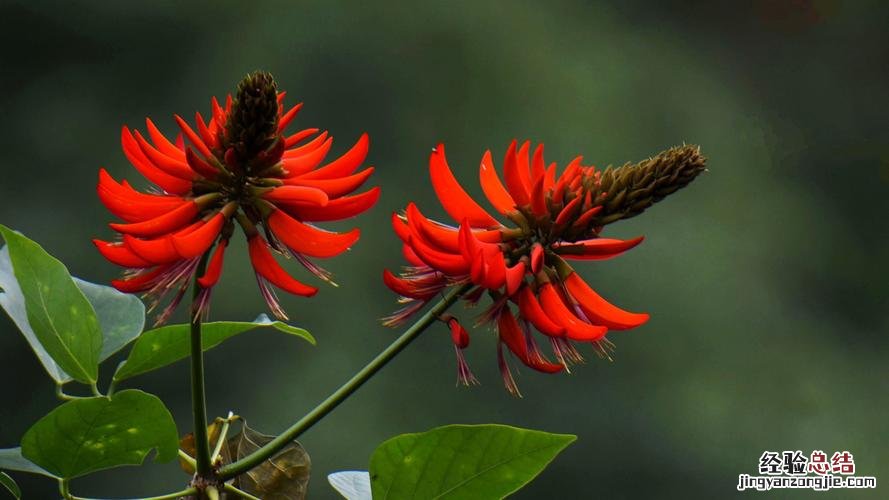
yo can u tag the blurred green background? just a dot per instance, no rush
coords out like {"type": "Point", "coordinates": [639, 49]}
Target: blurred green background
{"type": "Point", "coordinates": [766, 279]}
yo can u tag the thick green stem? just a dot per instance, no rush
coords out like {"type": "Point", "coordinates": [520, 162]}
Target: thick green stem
{"type": "Point", "coordinates": [170, 496]}
{"type": "Point", "coordinates": [332, 401]}
{"type": "Point", "coordinates": [198, 397]}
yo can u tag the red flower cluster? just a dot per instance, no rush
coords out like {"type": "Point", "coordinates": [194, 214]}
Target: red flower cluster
{"type": "Point", "coordinates": [240, 167]}
{"type": "Point", "coordinates": [523, 268]}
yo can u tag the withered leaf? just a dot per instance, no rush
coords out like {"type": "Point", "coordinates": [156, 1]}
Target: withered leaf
{"type": "Point", "coordinates": [285, 476]}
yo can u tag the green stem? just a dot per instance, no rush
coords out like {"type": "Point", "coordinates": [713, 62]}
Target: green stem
{"type": "Point", "coordinates": [223, 433]}
{"type": "Point", "coordinates": [241, 493]}
{"type": "Point", "coordinates": [198, 397]}
{"type": "Point", "coordinates": [257, 457]}
{"type": "Point", "coordinates": [171, 496]}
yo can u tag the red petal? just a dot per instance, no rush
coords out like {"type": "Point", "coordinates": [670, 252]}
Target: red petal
{"type": "Point", "coordinates": [538, 198]}
{"type": "Point", "coordinates": [297, 195]}
{"type": "Point", "coordinates": [131, 205]}
{"type": "Point", "coordinates": [298, 165]}
{"type": "Point", "coordinates": [265, 265]}
{"type": "Point", "coordinates": [459, 335]}
{"type": "Point", "coordinates": [139, 283]}
{"type": "Point", "coordinates": [515, 181]}
{"type": "Point", "coordinates": [162, 179]}
{"type": "Point", "coordinates": [308, 147]}
{"type": "Point", "coordinates": [156, 251]}
{"type": "Point", "coordinates": [334, 187]}
{"type": "Point", "coordinates": [163, 144]}
{"type": "Point", "coordinates": [401, 228]}
{"type": "Point", "coordinates": [569, 211]}
{"type": "Point", "coordinates": [289, 141]}
{"type": "Point", "coordinates": [288, 117]}
{"type": "Point", "coordinates": [530, 309]}
{"type": "Point", "coordinates": [493, 187]}
{"type": "Point", "coordinates": [214, 268]}
{"type": "Point", "coordinates": [538, 166]}
{"type": "Point", "coordinates": [206, 135]}
{"type": "Point", "coordinates": [495, 270]}
{"type": "Point", "coordinates": [537, 257]}
{"type": "Point", "coordinates": [404, 287]}
{"type": "Point", "coordinates": [193, 137]}
{"type": "Point", "coordinates": [448, 263]}
{"type": "Point", "coordinates": [200, 165]}
{"type": "Point", "coordinates": [117, 253]}
{"type": "Point", "coordinates": [587, 216]}
{"type": "Point", "coordinates": [600, 310]}
{"type": "Point", "coordinates": [340, 208]}
{"type": "Point", "coordinates": [511, 335]}
{"type": "Point", "coordinates": [345, 164]}
{"type": "Point", "coordinates": [309, 240]}
{"type": "Point", "coordinates": [575, 328]}
{"type": "Point", "coordinates": [596, 249]}
{"type": "Point", "coordinates": [166, 223]}
{"type": "Point", "coordinates": [169, 165]}
{"type": "Point", "coordinates": [411, 257]}
{"type": "Point", "coordinates": [197, 241]}
{"type": "Point", "coordinates": [453, 198]}
{"type": "Point", "coordinates": [515, 276]}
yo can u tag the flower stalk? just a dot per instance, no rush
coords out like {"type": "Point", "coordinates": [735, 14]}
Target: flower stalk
{"type": "Point", "coordinates": [328, 405]}
{"type": "Point", "coordinates": [198, 396]}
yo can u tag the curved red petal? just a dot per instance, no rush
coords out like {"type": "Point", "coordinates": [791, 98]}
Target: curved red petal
{"type": "Point", "coordinates": [141, 282]}
{"type": "Point", "coordinates": [334, 187]}
{"type": "Point", "coordinates": [299, 165]}
{"type": "Point", "coordinates": [200, 165]}
{"type": "Point", "coordinates": [199, 240]}
{"type": "Point", "coordinates": [515, 182]}
{"type": "Point", "coordinates": [530, 309]}
{"type": "Point", "coordinates": [137, 158]}
{"type": "Point", "coordinates": [308, 147]}
{"type": "Point", "coordinates": [538, 166]}
{"type": "Point", "coordinates": [117, 253]}
{"type": "Point", "coordinates": [596, 249]}
{"type": "Point", "coordinates": [454, 199]}
{"type": "Point", "coordinates": [297, 195]}
{"type": "Point", "coordinates": [538, 198]}
{"type": "Point", "coordinates": [214, 267]}
{"type": "Point", "coordinates": [512, 335]}
{"type": "Point", "coordinates": [345, 164]}
{"type": "Point", "coordinates": [155, 251]}
{"type": "Point", "coordinates": [600, 310]}
{"type": "Point", "coordinates": [459, 335]}
{"type": "Point", "coordinates": [340, 208]}
{"type": "Point", "coordinates": [288, 117]}
{"type": "Point", "coordinates": [290, 140]}
{"type": "Point", "coordinates": [162, 224]}
{"type": "Point", "coordinates": [448, 263]}
{"type": "Point", "coordinates": [515, 276]}
{"type": "Point", "coordinates": [400, 227]}
{"type": "Point", "coordinates": [404, 287]}
{"type": "Point", "coordinates": [575, 328]}
{"type": "Point", "coordinates": [266, 266]}
{"type": "Point", "coordinates": [194, 138]}
{"type": "Point", "coordinates": [160, 140]}
{"type": "Point", "coordinates": [493, 187]}
{"type": "Point", "coordinates": [309, 240]}
{"type": "Point", "coordinates": [131, 205]}
{"type": "Point", "coordinates": [172, 166]}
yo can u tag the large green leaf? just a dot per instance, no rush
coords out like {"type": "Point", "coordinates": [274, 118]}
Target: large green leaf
{"type": "Point", "coordinates": [10, 485]}
{"type": "Point", "coordinates": [166, 345]}
{"type": "Point", "coordinates": [12, 459]}
{"type": "Point", "coordinates": [462, 461]}
{"type": "Point", "coordinates": [90, 434]}
{"type": "Point", "coordinates": [121, 315]}
{"type": "Point", "coordinates": [58, 315]}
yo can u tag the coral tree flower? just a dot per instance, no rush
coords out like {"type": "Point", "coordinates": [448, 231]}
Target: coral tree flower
{"type": "Point", "coordinates": [240, 166]}
{"type": "Point", "coordinates": [524, 266]}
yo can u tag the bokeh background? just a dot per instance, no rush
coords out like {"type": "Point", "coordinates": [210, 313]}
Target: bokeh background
{"type": "Point", "coordinates": [766, 279]}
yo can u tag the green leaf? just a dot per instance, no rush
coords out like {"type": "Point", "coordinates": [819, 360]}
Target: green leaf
{"type": "Point", "coordinates": [121, 315]}
{"type": "Point", "coordinates": [58, 314]}
{"type": "Point", "coordinates": [12, 459]}
{"type": "Point", "coordinates": [10, 485]}
{"type": "Point", "coordinates": [166, 345]}
{"type": "Point", "coordinates": [462, 461]}
{"type": "Point", "coordinates": [91, 434]}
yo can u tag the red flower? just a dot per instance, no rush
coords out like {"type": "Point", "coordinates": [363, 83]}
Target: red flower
{"type": "Point", "coordinates": [523, 267]}
{"type": "Point", "coordinates": [238, 167]}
